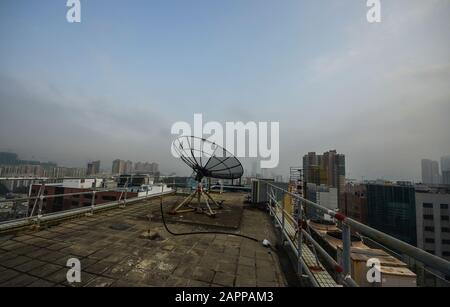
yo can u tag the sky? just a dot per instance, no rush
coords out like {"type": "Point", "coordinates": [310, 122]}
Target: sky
{"type": "Point", "coordinates": [113, 85]}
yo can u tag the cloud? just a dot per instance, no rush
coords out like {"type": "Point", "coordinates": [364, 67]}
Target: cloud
{"type": "Point", "coordinates": [377, 92]}
{"type": "Point", "coordinates": [382, 97]}
{"type": "Point", "coordinates": [38, 121]}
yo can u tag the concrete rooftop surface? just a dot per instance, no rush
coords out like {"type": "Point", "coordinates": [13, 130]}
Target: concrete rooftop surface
{"type": "Point", "coordinates": [113, 251]}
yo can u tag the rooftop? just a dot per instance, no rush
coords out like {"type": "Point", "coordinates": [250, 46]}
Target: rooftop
{"type": "Point", "coordinates": [113, 252]}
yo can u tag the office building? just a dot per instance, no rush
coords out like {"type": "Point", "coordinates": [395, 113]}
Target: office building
{"type": "Point", "coordinates": [388, 207]}
{"type": "Point", "coordinates": [93, 168]}
{"type": "Point", "coordinates": [430, 172]}
{"type": "Point", "coordinates": [324, 196]}
{"type": "Point", "coordinates": [149, 168]}
{"type": "Point", "coordinates": [433, 221]}
{"type": "Point", "coordinates": [391, 208]}
{"type": "Point", "coordinates": [128, 167]}
{"type": "Point", "coordinates": [118, 167]}
{"type": "Point", "coordinates": [327, 169]}
{"type": "Point", "coordinates": [355, 202]}
{"type": "Point", "coordinates": [7, 158]}
{"type": "Point", "coordinates": [445, 167]}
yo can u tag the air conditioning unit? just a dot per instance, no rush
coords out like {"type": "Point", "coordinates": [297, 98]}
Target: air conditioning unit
{"type": "Point", "coordinates": [259, 190]}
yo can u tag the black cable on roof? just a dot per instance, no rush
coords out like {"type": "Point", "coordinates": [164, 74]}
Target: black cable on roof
{"type": "Point", "coordinates": [202, 232]}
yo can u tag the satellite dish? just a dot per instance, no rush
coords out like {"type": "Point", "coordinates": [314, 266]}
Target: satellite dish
{"type": "Point", "coordinates": [207, 160]}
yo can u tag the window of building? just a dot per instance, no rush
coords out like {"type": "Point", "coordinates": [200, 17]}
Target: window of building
{"type": "Point", "coordinates": [428, 206]}
{"type": "Point", "coordinates": [446, 254]}
{"type": "Point", "coordinates": [445, 229]}
{"type": "Point", "coordinates": [429, 240]}
{"type": "Point", "coordinates": [444, 206]}
{"type": "Point", "coordinates": [444, 218]}
{"type": "Point", "coordinates": [446, 242]}
{"type": "Point", "coordinates": [428, 217]}
{"type": "Point", "coordinates": [431, 229]}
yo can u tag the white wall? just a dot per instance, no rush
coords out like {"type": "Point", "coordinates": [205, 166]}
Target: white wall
{"type": "Point", "coordinates": [154, 190]}
{"type": "Point", "coordinates": [77, 183]}
{"type": "Point", "coordinates": [436, 200]}
{"type": "Point", "coordinates": [328, 199]}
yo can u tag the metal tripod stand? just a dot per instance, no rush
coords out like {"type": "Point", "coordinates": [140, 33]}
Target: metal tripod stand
{"type": "Point", "coordinates": [199, 193]}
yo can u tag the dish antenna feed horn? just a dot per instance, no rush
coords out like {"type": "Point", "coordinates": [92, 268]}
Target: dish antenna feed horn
{"type": "Point", "coordinates": [207, 160]}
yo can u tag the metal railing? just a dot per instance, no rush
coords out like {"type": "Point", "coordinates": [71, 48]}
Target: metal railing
{"type": "Point", "coordinates": [285, 221]}
{"type": "Point", "coordinates": [20, 177]}
{"type": "Point", "coordinates": [37, 219]}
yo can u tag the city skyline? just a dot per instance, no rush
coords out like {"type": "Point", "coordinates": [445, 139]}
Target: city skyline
{"type": "Point", "coordinates": [109, 84]}
{"type": "Point", "coordinates": [438, 171]}
{"type": "Point", "coordinates": [236, 144]}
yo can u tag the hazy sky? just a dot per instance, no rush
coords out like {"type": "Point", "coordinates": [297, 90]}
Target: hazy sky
{"type": "Point", "coordinates": [112, 86]}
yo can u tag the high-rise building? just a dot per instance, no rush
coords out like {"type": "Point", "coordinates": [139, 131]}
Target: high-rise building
{"type": "Point", "coordinates": [327, 169]}
{"type": "Point", "coordinates": [430, 172]}
{"type": "Point", "coordinates": [7, 158]}
{"type": "Point", "coordinates": [118, 167]}
{"type": "Point", "coordinates": [311, 168]}
{"type": "Point", "coordinates": [392, 209]}
{"type": "Point", "coordinates": [93, 168]}
{"type": "Point", "coordinates": [445, 167]}
{"type": "Point", "coordinates": [155, 168]}
{"type": "Point", "coordinates": [139, 167]}
{"type": "Point", "coordinates": [128, 167]}
{"type": "Point", "coordinates": [433, 221]}
{"type": "Point", "coordinates": [355, 203]}
{"type": "Point", "coordinates": [387, 207]}
{"type": "Point", "coordinates": [149, 168]}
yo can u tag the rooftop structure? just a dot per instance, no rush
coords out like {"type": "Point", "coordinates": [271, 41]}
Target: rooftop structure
{"type": "Point", "coordinates": [113, 252]}
{"type": "Point", "coordinates": [128, 242]}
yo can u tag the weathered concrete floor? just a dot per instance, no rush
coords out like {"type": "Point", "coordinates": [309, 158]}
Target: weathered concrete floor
{"type": "Point", "coordinates": [121, 258]}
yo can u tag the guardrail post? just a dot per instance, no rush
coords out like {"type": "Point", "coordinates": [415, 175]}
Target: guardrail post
{"type": "Point", "coordinates": [283, 219]}
{"type": "Point", "coordinates": [300, 238]}
{"type": "Point", "coordinates": [41, 205]}
{"type": "Point", "coordinates": [125, 198]}
{"type": "Point", "coordinates": [93, 202]}
{"type": "Point", "coordinates": [346, 248]}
